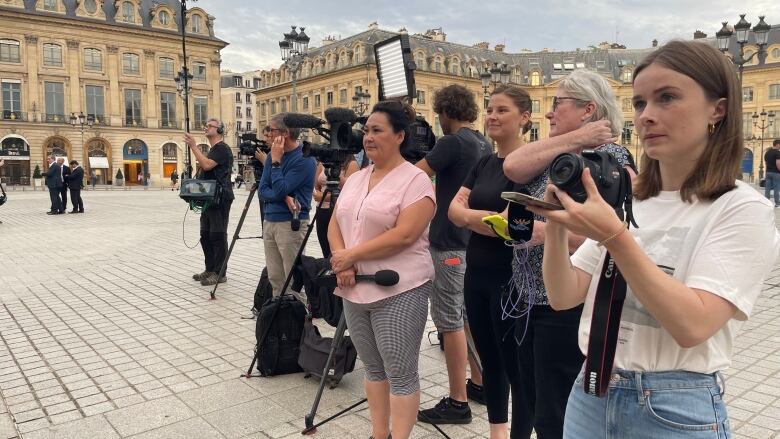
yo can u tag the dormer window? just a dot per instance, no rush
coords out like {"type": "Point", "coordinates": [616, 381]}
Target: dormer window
{"type": "Point", "coordinates": [50, 5]}
{"type": "Point", "coordinates": [128, 12]}
{"type": "Point", "coordinates": [90, 6]}
{"type": "Point", "coordinates": [196, 24]}
{"type": "Point", "coordinates": [165, 18]}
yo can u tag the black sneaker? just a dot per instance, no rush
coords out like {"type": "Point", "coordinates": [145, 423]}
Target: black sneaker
{"type": "Point", "coordinates": [445, 413]}
{"type": "Point", "coordinates": [475, 393]}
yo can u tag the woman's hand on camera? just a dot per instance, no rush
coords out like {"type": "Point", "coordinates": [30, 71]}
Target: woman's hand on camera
{"type": "Point", "coordinates": [341, 260]}
{"type": "Point", "coordinates": [594, 218]}
{"type": "Point", "coordinates": [346, 278]}
{"type": "Point", "coordinates": [594, 134]}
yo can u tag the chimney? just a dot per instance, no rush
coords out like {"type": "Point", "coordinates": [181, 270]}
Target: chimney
{"type": "Point", "coordinates": [482, 45]}
{"type": "Point", "coordinates": [436, 34]}
{"type": "Point", "coordinates": [500, 47]}
{"type": "Point", "coordinates": [329, 39]}
{"type": "Point", "coordinates": [373, 25]}
{"type": "Point", "coordinates": [699, 35]}
{"type": "Point", "coordinates": [655, 42]}
{"type": "Point", "coordinates": [403, 30]}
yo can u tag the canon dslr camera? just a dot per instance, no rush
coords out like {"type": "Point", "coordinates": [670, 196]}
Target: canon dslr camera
{"type": "Point", "coordinates": [612, 181]}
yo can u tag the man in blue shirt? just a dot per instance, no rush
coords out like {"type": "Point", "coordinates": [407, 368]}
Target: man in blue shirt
{"type": "Point", "coordinates": [286, 188]}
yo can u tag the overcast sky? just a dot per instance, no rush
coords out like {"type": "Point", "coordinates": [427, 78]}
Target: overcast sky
{"type": "Point", "coordinates": [253, 28]}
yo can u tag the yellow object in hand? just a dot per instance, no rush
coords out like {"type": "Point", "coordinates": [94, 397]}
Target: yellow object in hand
{"type": "Point", "coordinates": [499, 225]}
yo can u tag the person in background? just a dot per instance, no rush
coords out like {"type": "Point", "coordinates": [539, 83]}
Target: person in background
{"type": "Point", "coordinates": [489, 259]}
{"type": "Point", "coordinates": [75, 184]}
{"type": "Point", "coordinates": [53, 177]}
{"type": "Point", "coordinates": [93, 178]}
{"type": "Point", "coordinates": [772, 183]}
{"type": "Point", "coordinates": [381, 222]}
{"type": "Point", "coordinates": [451, 160]}
{"type": "Point", "coordinates": [174, 179]}
{"type": "Point", "coordinates": [65, 177]}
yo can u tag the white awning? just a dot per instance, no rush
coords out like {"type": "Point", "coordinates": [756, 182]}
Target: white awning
{"type": "Point", "coordinates": [98, 162]}
{"type": "Point", "coordinates": [15, 157]}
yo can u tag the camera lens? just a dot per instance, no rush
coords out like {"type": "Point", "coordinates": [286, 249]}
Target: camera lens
{"type": "Point", "coordinates": [565, 170]}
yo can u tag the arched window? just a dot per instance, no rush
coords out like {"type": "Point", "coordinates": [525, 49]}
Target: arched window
{"type": "Point", "coordinates": [56, 147]}
{"type": "Point", "coordinates": [536, 78]}
{"type": "Point", "coordinates": [170, 151]}
{"type": "Point", "coordinates": [52, 55]}
{"type": "Point", "coordinates": [9, 51]}
{"type": "Point", "coordinates": [131, 64]}
{"type": "Point", "coordinates": [164, 17]}
{"type": "Point", "coordinates": [196, 23]}
{"type": "Point", "coordinates": [626, 75]}
{"type": "Point", "coordinates": [419, 59]}
{"type": "Point", "coordinates": [93, 60]}
{"type": "Point", "coordinates": [128, 12]}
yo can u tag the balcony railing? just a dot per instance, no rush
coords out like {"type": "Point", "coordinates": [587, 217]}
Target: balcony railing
{"type": "Point", "coordinates": [173, 124]}
{"type": "Point", "coordinates": [135, 122]}
{"type": "Point", "coordinates": [14, 115]}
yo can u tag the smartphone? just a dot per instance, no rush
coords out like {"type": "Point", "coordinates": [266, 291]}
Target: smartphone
{"type": "Point", "coordinates": [527, 200]}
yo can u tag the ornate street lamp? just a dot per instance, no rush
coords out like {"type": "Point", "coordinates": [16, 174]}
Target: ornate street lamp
{"type": "Point", "coordinates": [766, 120]}
{"type": "Point", "coordinates": [82, 122]}
{"type": "Point", "coordinates": [183, 87]}
{"type": "Point", "coordinates": [360, 102]}
{"type": "Point", "coordinates": [742, 30]}
{"type": "Point", "coordinates": [293, 48]}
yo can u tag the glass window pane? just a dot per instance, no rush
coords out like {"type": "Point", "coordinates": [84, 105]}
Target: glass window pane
{"type": "Point", "coordinates": [93, 60]}
{"type": "Point", "coordinates": [52, 55]}
{"type": "Point", "coordinates": [201, 111]}
{"type": "Point", "coordinates": [131, 64]}
{"type": "Point", "coordinates": [199, 72]}
{"type": "Point", "coordinates": [166, 68]}
{"type": "Point", "coordinates": [95, 102]}
{"type": "Point", "coordinates": [54, 93]}
{"type": "Point", "coordinates": [128, 13]}
{"type": "Point", "coordinates": [168, 110]}
{"type": "Point", "coordinates": [9, 51]}
{"type": "Point", "coordinates": [133, 107]}
{"type": "Point", "coordinates": [12, 100]}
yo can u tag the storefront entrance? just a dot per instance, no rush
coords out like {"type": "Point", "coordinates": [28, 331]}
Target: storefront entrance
{"type": "Point", "coordinates": [15, 152]}
{"type": "Point", "coordinates": [136, 162]}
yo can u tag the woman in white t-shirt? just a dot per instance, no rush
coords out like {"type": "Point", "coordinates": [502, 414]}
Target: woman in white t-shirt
{"type": "Point", "coordinates": [694, 267]}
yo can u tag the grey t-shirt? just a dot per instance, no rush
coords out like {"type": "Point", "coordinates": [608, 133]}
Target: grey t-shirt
{"type": "Point", "coordinates": [452, 158]}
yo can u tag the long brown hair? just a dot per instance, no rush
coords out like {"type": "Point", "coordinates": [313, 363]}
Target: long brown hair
{"type": "Point", "coordinates": [717, 168]}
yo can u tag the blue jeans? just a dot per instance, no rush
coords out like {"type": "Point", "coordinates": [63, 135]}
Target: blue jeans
{"type": "Point", "coordinates": [772, 183]}
{"type": "Point", "coordinates": [649, 405]}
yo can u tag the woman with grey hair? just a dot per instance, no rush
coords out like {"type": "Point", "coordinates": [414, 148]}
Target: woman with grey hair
{"type": "Point", "coordinates": [584, 115]}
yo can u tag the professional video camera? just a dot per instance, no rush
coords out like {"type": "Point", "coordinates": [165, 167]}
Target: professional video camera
{"type": "Point", "coordinates": [249, 145]}
{"type": "Point", "coordinates": [423, 139]}
{"type": "Point", "coordinates": [612, 181]}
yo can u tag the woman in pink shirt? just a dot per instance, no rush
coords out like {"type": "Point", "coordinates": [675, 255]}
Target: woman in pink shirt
{"type": "Point", "coordinates": [381, 223]}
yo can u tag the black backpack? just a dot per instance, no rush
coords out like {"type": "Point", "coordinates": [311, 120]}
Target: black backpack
{"type": "Point", "coordinates": [263, 292]}
{"type": "Point", "coordinates": [284, 326]}
{"type": "Point", "coordinates": [322, 302]}
{"type": "Point", "coordinates": [314, 353]}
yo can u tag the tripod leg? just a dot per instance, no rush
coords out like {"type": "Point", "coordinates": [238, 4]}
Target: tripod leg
{"type": "Point", "coordinates": [233, 242]}
{"type": "Point", "coordinates": [337, 338]}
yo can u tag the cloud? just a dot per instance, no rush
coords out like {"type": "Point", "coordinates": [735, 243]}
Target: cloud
{"type": "Point", "coordinates": [254, 29]}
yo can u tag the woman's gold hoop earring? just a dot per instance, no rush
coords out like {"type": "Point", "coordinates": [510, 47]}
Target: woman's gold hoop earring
{"type": "Point", "coordinates": [711, 128]}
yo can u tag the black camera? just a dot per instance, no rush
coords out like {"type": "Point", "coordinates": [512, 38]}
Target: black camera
{"type": "Point", "coordinates": [423, 140]}
{"type": "Point", "coordinates": [249, 145]}
{"type": "Point", "coordinates": [612, 181]}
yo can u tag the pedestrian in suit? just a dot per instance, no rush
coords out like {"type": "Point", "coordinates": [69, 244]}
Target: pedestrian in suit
{"type": "Point", "coordinates": [93, 178]}
{"type": "Point", "coordinates": [75, 183]}
{"type": "Point", "coordinates": [65, 175]}
{"type": "Point", "coordinates": [54, 183]}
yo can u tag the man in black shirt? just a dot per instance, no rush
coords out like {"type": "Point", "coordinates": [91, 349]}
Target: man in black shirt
{"type": "Point", "coordinates": [771, 158]}
{"type": "Point", "coordinates": [214, 221]}
{"type": "Point", "coordinates": [451, 160]}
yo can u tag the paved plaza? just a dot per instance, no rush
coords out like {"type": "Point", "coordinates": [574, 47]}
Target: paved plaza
{"type": "Point", "coordinates": [103, 334]}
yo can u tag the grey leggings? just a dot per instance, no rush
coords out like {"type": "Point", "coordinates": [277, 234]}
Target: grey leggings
{"type": "Point", "coordinates": [387, 336]}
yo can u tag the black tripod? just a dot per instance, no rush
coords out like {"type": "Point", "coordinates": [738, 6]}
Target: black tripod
{"type": "Point", "coordinates": [235, 238]}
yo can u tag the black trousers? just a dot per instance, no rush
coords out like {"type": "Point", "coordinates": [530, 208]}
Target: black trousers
{"type": "Point", "coordinates": [56, 203]}
{"type": "Point", "coordinates": [323, 219]}
{"type": "Point", "coordinates": [64, 197]}
{"type": "Point", "coordinates": [550, 360]}
{"type": "Point", "coordinates": [213, 235]}
{"type": "Point", "coordinates": [75, 199]}
{"type": "Point", "coordinates": [495, 341]}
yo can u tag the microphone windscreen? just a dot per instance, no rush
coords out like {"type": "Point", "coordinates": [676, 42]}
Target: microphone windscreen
{"type": "Point", "coordinates": [298, 120]}
{"type": "Point", "coordinates": [336, 115]}
{"type": "Point", "coordinates": [386, 278]}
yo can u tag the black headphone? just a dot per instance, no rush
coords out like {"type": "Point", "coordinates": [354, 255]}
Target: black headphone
{"type": "Point", "coordinates": [221, 129]}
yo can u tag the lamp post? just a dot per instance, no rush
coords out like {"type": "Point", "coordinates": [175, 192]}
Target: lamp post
{"type": "Point", "coordinates": [82, 122]}
{"type": "Point", "coordinates": [766, 120]}
{"type": "Point", "coordinates": [742, 29]}
{"type": "Point", "coordinates": [498, 74]}
{"type": "Point", "coordinates": [360, 102]}
{"type": "Point", "coordinates": [294, 47]}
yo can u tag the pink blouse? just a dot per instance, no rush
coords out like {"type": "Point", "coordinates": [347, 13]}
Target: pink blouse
{"type": "Point", "coordinates": [364, 215]}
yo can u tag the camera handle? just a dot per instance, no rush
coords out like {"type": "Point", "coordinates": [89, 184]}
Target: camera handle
{"type": "Point", "coordinates": [223, 268]}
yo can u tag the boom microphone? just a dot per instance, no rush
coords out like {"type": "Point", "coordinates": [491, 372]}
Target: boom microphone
{"type": "Point", "coordinates": [340, 115]}
{"type": "Point", "coordinates": [298, 120]}
{"type": "Point", "coordinates": [384, 278]}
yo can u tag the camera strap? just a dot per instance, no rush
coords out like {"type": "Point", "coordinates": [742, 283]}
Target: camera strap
{"type": "Point", "coordinates": [604, 328]}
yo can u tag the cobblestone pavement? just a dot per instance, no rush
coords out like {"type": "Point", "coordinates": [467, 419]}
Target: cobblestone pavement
{"type": "Point", "coordinates": [103, 334]}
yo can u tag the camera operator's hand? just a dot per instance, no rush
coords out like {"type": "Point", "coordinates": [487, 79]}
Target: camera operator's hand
{"type": "Point", "coordinates": [261, 156]}
{"type": "Point", "coordinates": [291, 204]}
{"type": "Point", "coordinates": [594, 134]}
{"type": "Point", "coordinates": [341, 260]}
{"type": "Point", "coordinates": [346, 278]}
{"type": "Point", "coordinates": [594, 218]}
{"type": "Point", "coordinates": [277, 149]}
